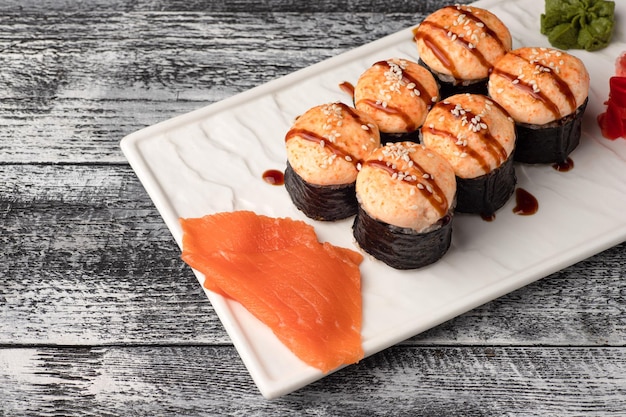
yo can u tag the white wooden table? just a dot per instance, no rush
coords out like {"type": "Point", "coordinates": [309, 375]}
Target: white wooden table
{"type": "Point", "coordinates": [98, 314]}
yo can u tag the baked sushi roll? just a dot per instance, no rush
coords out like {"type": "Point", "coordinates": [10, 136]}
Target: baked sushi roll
{"type": "Point", "coordinates": [406, 196]}
{"type": "Point", "coordinates": [545, 90]}
{"type": "Point", "coordinates": [477, 137]}
{"type": "Point", "coordinates": [324, 147]}
{"type": "Point", "coordinates": [460, 45]}
{"type": "Point", "coordinates": [397, 94]}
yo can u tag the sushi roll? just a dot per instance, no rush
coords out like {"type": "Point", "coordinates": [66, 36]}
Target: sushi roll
{"type": "Point", "coordinates": [324, 147]}
{"type": "Point", "coordinates": [477, 137]}
{"type": "Point", "coordinates": [545, 91]}
{"type": "Point", "coordinates": [406, 196]}
{"type": "Point", "coordinates": [397, 94]}
{"type": "Point", "coordinates": [460, 45]}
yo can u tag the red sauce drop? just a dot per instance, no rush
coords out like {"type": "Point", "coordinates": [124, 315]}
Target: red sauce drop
{"type": "Point", "coordinates": [274, 177]}
{"type": "Point", "coordinates": [564, 166]}
{"type": "Point", "coordinates": [347, 87]}
{"type": "Point", "coordinates": [488, 217]}
{"type": "Point", "coordinates": [525, 203]}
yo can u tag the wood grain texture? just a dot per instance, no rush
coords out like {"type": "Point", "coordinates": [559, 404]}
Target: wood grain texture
{"type": "Point", "coordinates": [73, 84]}
{"type": "Point", "coordinates": [401, 381]}
{"type": "Point", "coordinates": [324, 6]}
{"type": "Point", "coordinates": [98, 314]}
{"type": "Point", "coordinates": [86, 241]}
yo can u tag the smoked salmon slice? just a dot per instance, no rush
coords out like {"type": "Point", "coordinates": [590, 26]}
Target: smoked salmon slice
{"type": "Point", "coordinates": [307, 292]}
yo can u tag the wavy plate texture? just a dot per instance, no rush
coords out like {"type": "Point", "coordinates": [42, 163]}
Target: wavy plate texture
{"type": "Point", "coordinates": [213, 159]}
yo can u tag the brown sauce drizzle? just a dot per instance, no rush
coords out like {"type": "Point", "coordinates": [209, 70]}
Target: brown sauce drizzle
{"type": "Point", "coordinates": [494, 147]}
{"type": "Point", "coordinates": [436, 197]}
{"type": "Point", "coordinates": [440, 52]}
{"type": "Point", "coordinates": [562, 85]}
{"type": "Point", "coordinates": [347, 87]}
{"type": "Point", "coordinates": [407, 78]}
{"type": "Point", "coordinates": [526, 87]}
{"type": "Point", "coordinates": [351, 112]}
{"type": "Point", "coordinates": [488, 217]}
{"type": "Point", "coordinates": [410, 125]}
{"type": "Point", "coordinates": [274, 177]}
{"type": "Point", "coordinates": [564, 166]}
{"type": "Point", "coordinates": [525, 203]}
{"type": "Point", "coordinates": [469, 151]}
{"type": "Point", "coordinates": [314, 137]}
{"type": "Point", "coordinates": [480, 22]}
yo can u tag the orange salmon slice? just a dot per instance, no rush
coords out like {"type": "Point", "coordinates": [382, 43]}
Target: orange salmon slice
{"type": "Point", "coordinates": [307, 292]}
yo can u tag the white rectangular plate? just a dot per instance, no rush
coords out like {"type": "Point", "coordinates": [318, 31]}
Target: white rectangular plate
{"type": "Point", "coordinates": [212, 160]}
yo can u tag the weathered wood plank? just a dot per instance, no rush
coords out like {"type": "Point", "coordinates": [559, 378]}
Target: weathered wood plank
{"type": "Point", "coordinates": [201, 380]}
{"type": "Point", "coordinates": [87, 261]}
{"type": "Point", "coordinates": [73, 84]}
{"type": "Point", "coordinates": [327, 6]}
{"type": "Point", "coordinates": [86, 242]}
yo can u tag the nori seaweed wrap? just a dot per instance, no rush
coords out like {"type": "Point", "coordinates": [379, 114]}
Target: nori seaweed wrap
{"type": "Point", "coordinates": [321, 202]}
{"type": "Point", "coordinates": [545, 91]}
{"type": "Point", "coordinates": [324, 148]}
{"type": "Point", "coordinates": [459, 45]}
{"type": "Point", "coordinates": [477, 137]}
{"type": "Point", "coordinates": [397, 94]}
{"type": "Point", "coordinates": [402, 247]}
{"type": "Point", "coordinates": [487, 193]}
{"type": "Point", "coordinates": [549, 143]}
{"type": "Point", "coordinates": [449, 86]}
{"type": "Point", "coordinates": [406, 195]}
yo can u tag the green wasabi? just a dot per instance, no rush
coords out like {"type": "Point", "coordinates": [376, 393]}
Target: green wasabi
{"type": "Point", "coordinates": [578, 24]}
